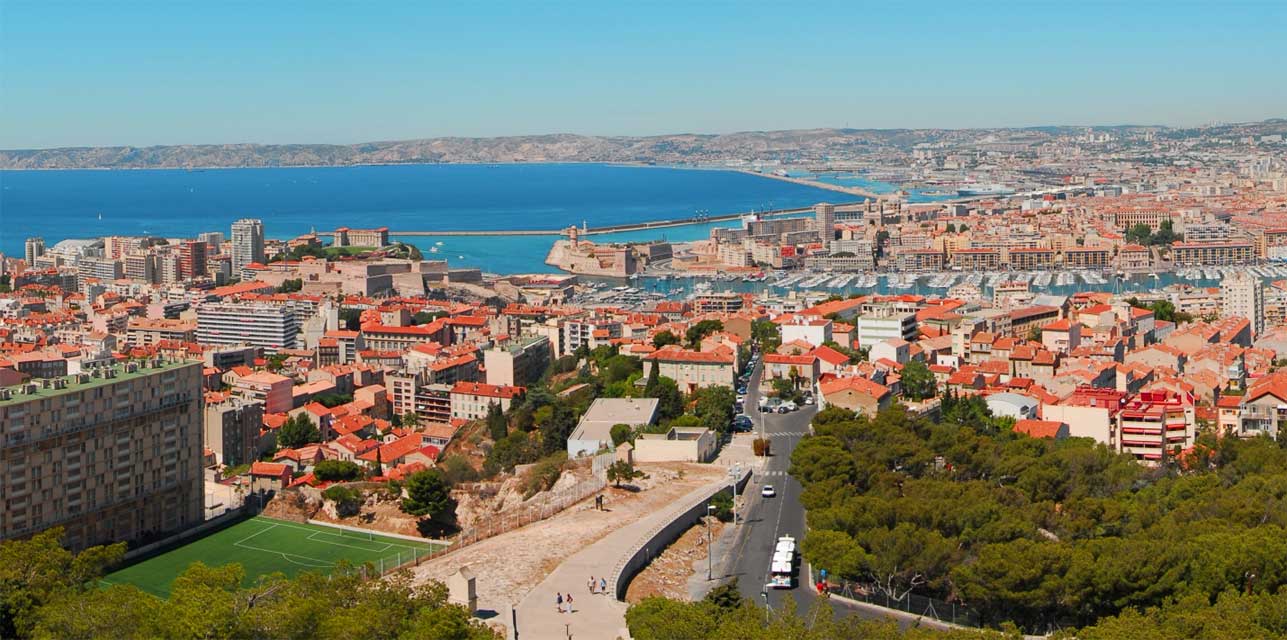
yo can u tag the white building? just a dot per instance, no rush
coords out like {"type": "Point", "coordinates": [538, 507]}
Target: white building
{"type": "Point", "coordinates": [815, 331]}
{"type": "Point", "coordinates": [879, 326]}
{"type": "Point", "coordinates": [593, 432]}
{"type": "Point", "coordinates": [1243, 295]}
{"type": "Point", "coordinates": [272, 327]}
{"type": "Point", "coordinates": [247, 243]}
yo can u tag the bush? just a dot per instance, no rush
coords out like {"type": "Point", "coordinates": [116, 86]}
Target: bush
{"type": "Point", "coordinates": [723, 503]}
{"type": "Point", "coordinates": [456, 469]}
{"type": "Point", "coordinates": [543, 475]}
{"type": "Point", "coordinates": [760, 446]}
{"type": "Point", "coordinates": [620, 433]}
{"type": "Point", "coordinates": [337, 471]}
{"type": "Point", "coordinates": [347, 501]}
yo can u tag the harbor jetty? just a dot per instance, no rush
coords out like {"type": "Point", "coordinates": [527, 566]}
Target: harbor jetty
{"type": "Point", "coordinates": [617, 228]}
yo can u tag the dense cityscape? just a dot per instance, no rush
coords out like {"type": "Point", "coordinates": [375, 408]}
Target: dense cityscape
{"type": "Point", "coordinates": [496, 320]}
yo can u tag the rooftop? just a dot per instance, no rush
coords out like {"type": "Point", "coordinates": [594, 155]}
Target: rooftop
{"type": "Point", "coordinates": [102, 376]}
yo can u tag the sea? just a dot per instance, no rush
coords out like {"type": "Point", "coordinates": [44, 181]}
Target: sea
{"type": "Point", "coordinates": [62, 204]}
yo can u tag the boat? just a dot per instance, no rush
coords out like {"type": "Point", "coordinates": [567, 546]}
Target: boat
{"type": "Point", "coordinates": [984, 190]}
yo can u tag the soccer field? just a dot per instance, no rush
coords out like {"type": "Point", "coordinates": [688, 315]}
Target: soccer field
{"type": "Point", "coordinates": [264, 545]}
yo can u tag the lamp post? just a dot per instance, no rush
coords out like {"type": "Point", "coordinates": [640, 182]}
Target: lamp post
{"type": "Point", "coordinates": [710, 553]}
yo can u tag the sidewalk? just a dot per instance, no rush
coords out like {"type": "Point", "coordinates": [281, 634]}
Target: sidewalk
{"type": "Point", "coordinates": [595, 616]}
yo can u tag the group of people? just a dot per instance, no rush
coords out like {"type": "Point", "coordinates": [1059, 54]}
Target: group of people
{"type": "Point", "coordinates": [564, 600]}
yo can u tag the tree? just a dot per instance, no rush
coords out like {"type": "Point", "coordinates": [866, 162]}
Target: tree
{"type": "Point", "coordinates": [428, 495]}
{"type": "Point", "coordinates": [697, 332]}
{"type": "Point", "coordinates": [620, 433]}
{"type": "Point", "coordinates": [497, 425]}
{"type": "Point", "coordinates": [714, 406]}
{"type": "Point", "coordinates": [918, 381]}
{"type": "Point", "coordinates": [1139, 234]}
{"type": "Point", "coordinates": [38, 571]}
{"type": "Point", "coordinates": [723, 503]}
{"type": "Point", "coordinates": [410, 420]}
{"type": "Point", "coordinates": [663, 338]}
{"type": "Point", "coordinates": [337, 471]}
{"type": "Point", "coordinates": [622, 470]}
{"type": "Point", "coordinates": [297, 431]}
{"type": "Point", "coordinates": [291, 286]}
{"type": "Point", "coordinates": [670, 403]}
{"type": "Point", "coordinates": [766, 334]}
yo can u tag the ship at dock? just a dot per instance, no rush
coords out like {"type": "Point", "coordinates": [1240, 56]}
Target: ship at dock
{"type": "Point", "coordinates": [984, 190]}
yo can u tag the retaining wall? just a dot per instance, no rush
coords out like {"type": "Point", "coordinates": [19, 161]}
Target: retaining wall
{"type": "Point", "coordinates": [653, 542]}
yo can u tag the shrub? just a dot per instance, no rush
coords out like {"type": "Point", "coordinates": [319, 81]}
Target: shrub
{"type": "Point", "coordinates": [543, 475]}
{"type": "Point", "coordinates": [760, 446]}
{"type": "Point", "coordinates": [347, 501]}
{"type": "Point", "coordinates": [337, 471]}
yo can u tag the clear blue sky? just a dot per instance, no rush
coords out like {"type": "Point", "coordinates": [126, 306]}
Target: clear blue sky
{"type": "Point", "coordinates": [144, 73]}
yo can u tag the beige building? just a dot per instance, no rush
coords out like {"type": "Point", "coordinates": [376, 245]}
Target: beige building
{"type": "Point", "coordinates": [110, 456]}
{"type": "Point", "coordinates": [692, 370]}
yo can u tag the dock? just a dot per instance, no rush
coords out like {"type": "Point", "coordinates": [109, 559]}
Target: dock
{"type": "Point", "coordinates": [589, 231]}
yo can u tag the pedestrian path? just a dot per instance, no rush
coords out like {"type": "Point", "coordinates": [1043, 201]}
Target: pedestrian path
{"type": "Point", "coordinates": [594, 615]}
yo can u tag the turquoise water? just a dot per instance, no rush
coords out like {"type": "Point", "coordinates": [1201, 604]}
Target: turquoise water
{"type": "Point", "coordinates": [179, 203]}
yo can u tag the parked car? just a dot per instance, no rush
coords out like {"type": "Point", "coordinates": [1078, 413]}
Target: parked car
{"type": "Point", "coordinates": [790, 406]}
{"type": "Point", "coordinates": [768, 491]}
{"type": "Point", "coordinates": [809, 400]}
{"type": "Point", "coordinates": [783, 409]}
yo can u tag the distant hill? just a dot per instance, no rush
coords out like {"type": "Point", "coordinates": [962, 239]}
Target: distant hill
{"type": "Point", "coordinates": [751, 146]}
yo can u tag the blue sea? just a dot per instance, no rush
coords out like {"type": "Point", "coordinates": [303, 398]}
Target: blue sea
{"type": "Point", "coordinates": [180, 203]}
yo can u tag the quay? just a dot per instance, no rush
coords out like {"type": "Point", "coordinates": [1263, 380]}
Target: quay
{"type": "Point", "coordinates": [618, 228]}
{"type": "Point", "coordinates": [853, 191]}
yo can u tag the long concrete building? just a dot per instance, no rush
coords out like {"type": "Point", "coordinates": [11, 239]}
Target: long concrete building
{"type": "Point", "coordinates": [113, 455]}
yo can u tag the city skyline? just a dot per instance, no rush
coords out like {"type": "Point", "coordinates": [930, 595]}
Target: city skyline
{"type": "Point", "coordinates": [157, 74]}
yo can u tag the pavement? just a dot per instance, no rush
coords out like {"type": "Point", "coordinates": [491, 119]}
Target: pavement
{"type": "Point", "coordinates": [593, 615]}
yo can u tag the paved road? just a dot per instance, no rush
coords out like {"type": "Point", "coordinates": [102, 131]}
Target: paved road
{"type": "Point", "coordinates": [769, 518]}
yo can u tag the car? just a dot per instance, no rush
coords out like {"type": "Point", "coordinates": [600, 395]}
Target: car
{"type": "Point", "coordinates": [809, 400]}
{"type": "Point", "coordinates": [783, 409]}
{"type": "Point", "coordinates": [741, 391]}
{"type": "Point", "coordinates": [741, 397]}
{"type": "Point", "coordinates": [790, 406]}
{"type": "Point", "coordinates": [739, 408]}
{"type": "Point", "coordinates": [768, 491]}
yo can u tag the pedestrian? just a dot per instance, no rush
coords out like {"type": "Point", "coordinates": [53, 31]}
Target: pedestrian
{"type": "Point", "coordinates": [570, 609]}
{"type": "Point", "coordinates": [592, 583]}
{"type": "Point", "coordinates": [559, 600]}
{"type": "Point", "coordinates": [603, 586]}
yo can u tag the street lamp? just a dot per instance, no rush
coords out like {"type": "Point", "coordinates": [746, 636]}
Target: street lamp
{"type": "Point", "coordinates": [710, 553]}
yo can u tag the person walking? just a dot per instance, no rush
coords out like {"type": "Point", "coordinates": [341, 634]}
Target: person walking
{"type": "Point", "coordinates": [559, 601]}
{"type": "Point", "coordinates": [570, 609]}
{"type": "Point", "coordinates": [603, 586]}
{"type": "Point", "coordinates": [591, 584]}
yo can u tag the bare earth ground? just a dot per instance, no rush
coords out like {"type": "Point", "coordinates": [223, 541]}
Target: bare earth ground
{"type": "Point", "coordinates": [669, 573]}
{"type": "Point", "coordinates": [508, 566]}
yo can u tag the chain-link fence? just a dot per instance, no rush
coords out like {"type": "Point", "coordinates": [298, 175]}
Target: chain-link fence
{"type": "Point", "coordinates": [915, 604]}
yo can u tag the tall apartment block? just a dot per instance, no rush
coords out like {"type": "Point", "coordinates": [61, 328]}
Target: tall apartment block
{"type": "Point", "coordinates": [113, 455]}
{"type": "Point", "coordinates": [1243, 294]}
{"type": "Point", "coordinates": [34, 248]}
{"type": "Point", "coordinates": [247, 243]}
{"type": "Point", "coordinates": [272, 327]}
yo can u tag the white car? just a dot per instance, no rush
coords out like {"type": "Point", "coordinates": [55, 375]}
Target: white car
{"type": "Point", "coordinates": [768, 491]}
{"type": "Point", "coordinates": [790, 406]}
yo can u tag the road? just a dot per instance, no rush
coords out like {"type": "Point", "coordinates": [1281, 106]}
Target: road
{"type": "Point", "coordinates": [766, 519]}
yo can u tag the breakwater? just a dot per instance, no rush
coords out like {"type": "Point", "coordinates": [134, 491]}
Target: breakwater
{"type": "Point", "coordinates": [616, 228]}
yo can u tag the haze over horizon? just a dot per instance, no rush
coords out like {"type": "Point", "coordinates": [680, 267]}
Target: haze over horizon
{"type": "Point", "coordinates": [148, 74]}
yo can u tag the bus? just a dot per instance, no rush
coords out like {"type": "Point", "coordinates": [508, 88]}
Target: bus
{"type": "Point", "coordinates": [782, 567]}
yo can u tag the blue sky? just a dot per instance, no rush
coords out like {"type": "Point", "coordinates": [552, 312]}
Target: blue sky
{"type": "Point", "coordinates": [144, 73]}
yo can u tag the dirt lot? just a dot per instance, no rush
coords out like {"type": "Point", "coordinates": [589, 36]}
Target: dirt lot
{"type": "Point", "coordinates": [509, 565]}
{"type": "Point", "coordinates": [668, 574]}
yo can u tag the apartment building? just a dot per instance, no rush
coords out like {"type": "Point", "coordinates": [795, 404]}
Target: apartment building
{"type": "Point", "coordinates": [1087, 257]}
{"type": "Point", "coordinates": [247, 243]}
{"type": "Point", "coordinates": [1189, 254]}
{"type": "Point", "coordinates": [1243, 295]}
{"type": "Point", "coordinates": [1154, 424]}
{"type": "Point", "coordinates": [231, 429]}
{"type": "Point", "coordinates": [878, 325]}
{"type": "Point", "coordinates": [472, 400]}
{"type": "Point", "coordinates": [519, 363]}
{"type": "Point", "coordinates": [976, 259]}
{"type": "Point", "coordinates": [112, 455]}
{"type": "Point", "coordinates": [144, 332]}
{"type": "Point", "coordinates": [1032, 259]}
{"type": "Point", "coordinates": [272, 327]}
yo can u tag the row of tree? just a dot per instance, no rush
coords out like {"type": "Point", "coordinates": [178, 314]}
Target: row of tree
{"type": "Point", "coordinates": [1043, 533]}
